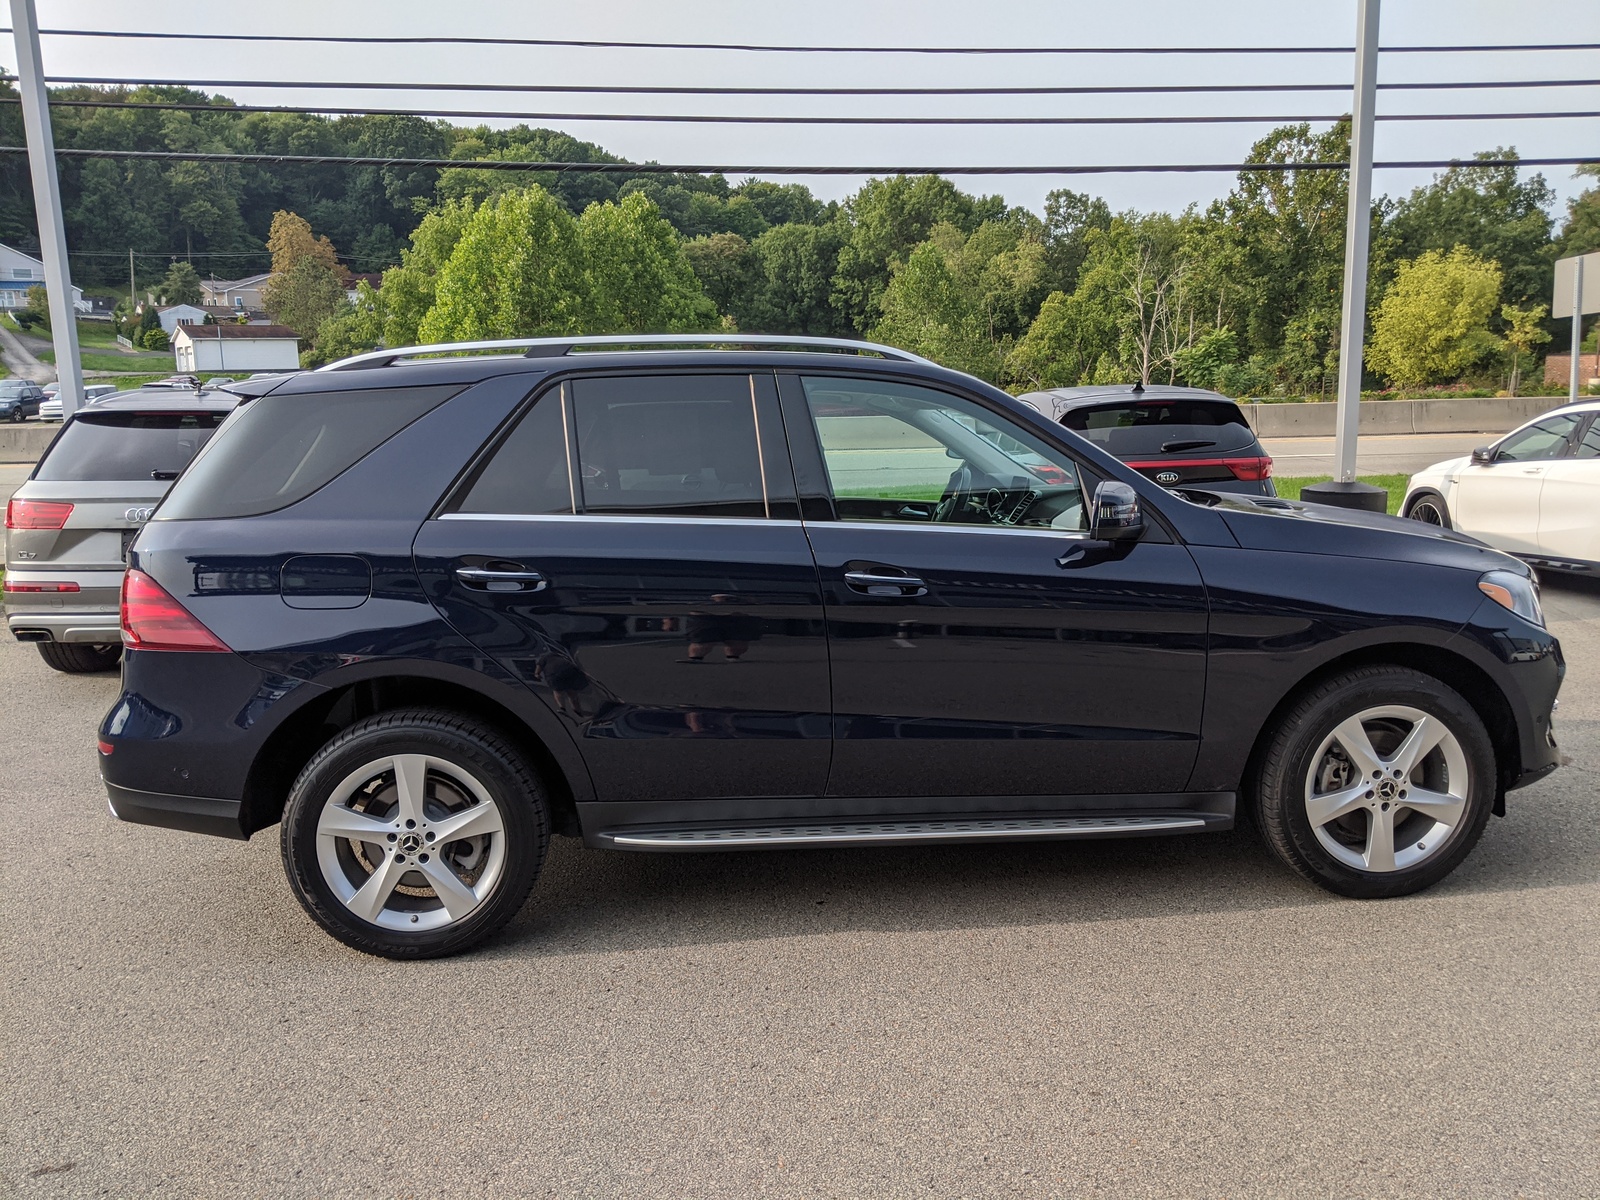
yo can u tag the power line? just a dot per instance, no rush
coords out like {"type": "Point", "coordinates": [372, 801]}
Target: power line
{"type": "Point", "coordinates": [614, 168]}
{"type": "Point", "coordinates": [748, 47]}
{"type": "Point", "coordinates": [692, 90]}
{"type": "Point", "coordinates": [725, 119]}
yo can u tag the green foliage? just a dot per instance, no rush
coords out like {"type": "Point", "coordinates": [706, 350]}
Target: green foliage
{"type": "Point", "coordinates": [725, 266]}
{"type": "Point", "coordinates": [155, 339]}
{"type": "Point", "coordinates": [1433, 323]}
{"type": "Point", "coordinates": [1524, 331]}
{"type": "Point", "coordinates": [181, 285]}
{"type": "Point", "coordinates": [36, 311]}
{"type": "Point", "coordinates": [409, 289]}
{"type": "Point", "coordinates": [523, 266]}
{"type": "Point", "coordinates": [1214, 352]}
{"type": "Point", "coordinates": [1068, 218]}
{"type": "Point", "coordinates": [792, 288]}
{"type": "Point", "coordinates": [305, 297]}
{"type": "Point", "coordinates": [357, 327]}
{"type": "Point", "coordinates": [1289, 486]}
{"type": "Point", "coordinates": [1581, 232]}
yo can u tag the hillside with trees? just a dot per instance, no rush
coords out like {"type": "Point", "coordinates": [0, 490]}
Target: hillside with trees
{"type": "Point", "coordinates": [1242, 294]}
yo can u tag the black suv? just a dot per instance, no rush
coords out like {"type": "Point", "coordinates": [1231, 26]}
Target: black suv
{"type": "Point", "coordinates": [675, 594]}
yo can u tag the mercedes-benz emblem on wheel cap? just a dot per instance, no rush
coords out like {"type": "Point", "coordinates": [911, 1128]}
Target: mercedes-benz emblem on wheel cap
{"type": "Point", "coordinates": [1167, 478]}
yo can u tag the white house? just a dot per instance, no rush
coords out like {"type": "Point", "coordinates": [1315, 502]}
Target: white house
{"type": "Point", "coordinates": [238, 294]}
{"type": "Point", "coordinates": [235, 348]}
{"type": "Point", "coordinates": [180, 314]}
{"type": "Point", "coordinates": [19, 272]}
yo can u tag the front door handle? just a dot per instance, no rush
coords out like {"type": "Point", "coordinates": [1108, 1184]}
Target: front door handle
{"type": "Point", "coordinates": [875, 583]}
{"type": "Point", "coordinates": [491, 579]}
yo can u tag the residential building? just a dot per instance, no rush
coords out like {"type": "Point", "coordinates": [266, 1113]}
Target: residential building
{"type": "Point", "coordinates": [180, 314]}
{"type": "Point", "coordinates": [235, 293]}
{"type": "Point", "coordinates": [235, 348]}
{"type": "Point", "coordinates": [19, 272]}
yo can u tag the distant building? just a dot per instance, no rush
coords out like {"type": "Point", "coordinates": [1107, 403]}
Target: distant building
{"type": "Point", "coordinates": [180, 314]}
{"type": "Point", "coordinates": [235, 293]}
{"type": "Point", "coordinates": [1558, 368]}
{"type": "Point", "coordinates": [19, 272]}
{"type": "Point", "coordinates": [235, 348]}
{"type": "Point", "coordinates": [373, 280]}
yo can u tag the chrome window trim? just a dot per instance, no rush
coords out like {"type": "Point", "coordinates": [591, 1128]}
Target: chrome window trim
{"type": "Point", "coordinates": [616, 518]}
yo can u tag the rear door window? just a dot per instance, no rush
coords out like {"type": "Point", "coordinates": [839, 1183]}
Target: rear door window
{"type": "Point", "coordinates": [1134, 428]}
{"type": "Point", "coordinates": [281, 448]}
{"type": "Point", "coordinates": [127, 445]}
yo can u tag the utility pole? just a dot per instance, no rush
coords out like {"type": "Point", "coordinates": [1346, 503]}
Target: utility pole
{"type": "Point", "coordinates": [133, 300]}
{"type": "Point", "coordinates": [47, 203]}
{"type": "Point", "coordinates": [1344, 490]}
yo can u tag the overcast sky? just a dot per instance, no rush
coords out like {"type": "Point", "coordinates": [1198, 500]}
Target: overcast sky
{"type": "Point", "coordinates": [931, 22]}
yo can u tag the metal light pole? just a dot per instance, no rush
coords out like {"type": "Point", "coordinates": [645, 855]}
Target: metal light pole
{"type": "Point", "coordinates": [1344, 490]}
{"type": "Point", "coordinates": [47, 203]}
{"type": "Point", "coordinates": [1577, 328]}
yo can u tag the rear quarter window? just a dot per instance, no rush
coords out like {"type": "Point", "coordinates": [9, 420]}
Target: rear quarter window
{"type": "Point", "coordinates": [127, 445]}
{"type": "Point", "coordinates": [279, 449]}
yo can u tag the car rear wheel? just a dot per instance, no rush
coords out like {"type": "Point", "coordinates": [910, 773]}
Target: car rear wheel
{"type": "Point", "coordinates": [80, 658]}
{"type": "Point", "coordinates": [1430, 509]}
{"type": "Point", "coordinates": [415, 834]}
{"type": "Point", "coordinates": [1378, 782]}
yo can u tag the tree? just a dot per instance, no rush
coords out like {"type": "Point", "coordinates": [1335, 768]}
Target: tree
{"type": "Point", "coordinates": [636, 276]}
{"type": "Point", "coordinates": [358, 327]}
{"type": "Point", "coordinates": [181, 285]}
{"type": "Point", "coordinates": [726, 268]}
{"type": "Point", "coordinates": [1068, 218]}
{"type": "Point", "coordinates": [1492, 212]}
{"type": "Point", "coordinates": [291, 240]}
{"type": "Point", "coordinates": [794, 270]}
{"type": "Point", "coordinates": [1524, 331]}
{"type": "Point", "coordinates": [304, 298]}
{"type": "Point", "coordinates": [409, 290]}
{"type": "Point", "coordinates": [1433, 322]}
{"type": "Point", "coordinates": [1581, 233]}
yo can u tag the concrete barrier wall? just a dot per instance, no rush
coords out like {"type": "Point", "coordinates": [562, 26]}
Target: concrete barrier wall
{"type": "Point", "coordinates": [26, 442]}
{"type": "Point", "coordinates": [1484, 414]}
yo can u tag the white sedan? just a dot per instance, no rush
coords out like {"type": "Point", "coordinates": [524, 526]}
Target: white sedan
{"type": "Point", "coordinates": [1534, 493]}
{"type": "Point", "coordinates": [50, 410]}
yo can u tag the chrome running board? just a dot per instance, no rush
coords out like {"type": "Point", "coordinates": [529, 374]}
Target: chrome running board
{"type": "Point", "coordinates": [870, 833]}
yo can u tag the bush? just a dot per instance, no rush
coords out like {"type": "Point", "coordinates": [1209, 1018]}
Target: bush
{"type": "Point", "coordinates": [155, 339]}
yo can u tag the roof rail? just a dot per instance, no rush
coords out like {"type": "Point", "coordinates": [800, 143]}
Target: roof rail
{"type": "Point", "coordinates": [555, 347]}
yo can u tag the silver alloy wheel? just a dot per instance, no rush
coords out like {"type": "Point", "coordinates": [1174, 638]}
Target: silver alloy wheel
{"type": "Point", "coordinates": [1427, 511]}
{"type": "Point", "coordinates": [411, 842]}
{"type": "Point", "coordinates": [1387, 788]}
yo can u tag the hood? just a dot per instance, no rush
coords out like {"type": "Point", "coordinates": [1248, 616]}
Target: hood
{"type": "Point", "coordinates": [1265, 523]}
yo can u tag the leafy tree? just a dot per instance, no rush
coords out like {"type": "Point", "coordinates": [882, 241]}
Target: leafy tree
{"type": "Point", "coordinates": [37, 309]}
{"type": "Point", "coordinates": [358, 327]}
{"type": "Point", "coordinates": [517, 271]}
{"type": "Point", "coordinates": [726, 268]}
{"type": "Point", "coordinates": [1433, 322]}
{"type": "Point", "coordinates": [888, 219]}
{"type": "Point", "coordinates": [409, 289]}
{"type": "Point", "coordinates": [155, 339]}
{"type": "Point", "coordinates": [1524, 332]}
{"type": "Point", "coordinates": [182, 285]}
{"type": "Point", "coordinates": [1581, 232]}
{"type": "Point", "coordinates": [636, 276]}
{"type": "Point", "coordinates": [794, 270]}
{"type": "Point", "coordinates": [305, 297]}
{"type": "Point", "coordinates": [291, 240]}
{"type": "Point", "coordinates": [1209, 357]}
{"type": "Point", "coordinates": [1492, 212]}
{"type": "Point", "coordinates": [1068, 218]}
{"type": "Point", "coordinates": [376, 250]}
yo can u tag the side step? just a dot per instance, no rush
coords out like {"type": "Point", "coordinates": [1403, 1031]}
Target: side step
{"type": "Point", "coordinates": [940, 829]}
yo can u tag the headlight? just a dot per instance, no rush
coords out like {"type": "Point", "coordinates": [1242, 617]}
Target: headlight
{"type": "Point", "coordinates": [1516, 592]}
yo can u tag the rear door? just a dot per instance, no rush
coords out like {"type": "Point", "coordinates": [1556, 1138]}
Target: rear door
{"type": "Point", "coordinates": [631, 550]}
{"type": "Point", "coordinates": [1569, 503]}
{"type": "Point", "coordinates": [1499, 501]}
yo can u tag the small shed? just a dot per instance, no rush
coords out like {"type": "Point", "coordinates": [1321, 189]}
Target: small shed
{"type": "Point", "coordinates": [235, 348]}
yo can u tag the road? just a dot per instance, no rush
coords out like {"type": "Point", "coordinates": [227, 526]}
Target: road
{"type": "Point", "coordinates": [1386, 454]}
{"type": "Point", "coordinates": [1143, 1018]}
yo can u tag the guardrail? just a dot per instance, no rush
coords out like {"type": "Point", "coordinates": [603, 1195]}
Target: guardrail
{"type": "Point", "coordinates": [26, 442]}
{"type": "Point", "coordinates": [1481, 414]}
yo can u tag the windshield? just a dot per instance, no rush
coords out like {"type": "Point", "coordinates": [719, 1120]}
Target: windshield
{"type": "Point", "coordinates": [127, 445]}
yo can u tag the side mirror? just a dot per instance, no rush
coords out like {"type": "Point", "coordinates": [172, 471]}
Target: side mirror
{"type": "Point", "coordinates": [1483, 455]}
{"type": "Point", "coordinates": [1116, 514]}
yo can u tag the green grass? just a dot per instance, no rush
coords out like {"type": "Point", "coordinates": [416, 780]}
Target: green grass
{"type": "Point", "coordinates": [1289, 486]}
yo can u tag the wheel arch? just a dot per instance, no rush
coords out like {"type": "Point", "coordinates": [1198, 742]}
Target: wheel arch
{"type": "Point", "coordinates": [1428, 493]}
{"type": "Point", "coordinates": [1454, 670]}
{"type": "Point", "coordinates": [299, 736]}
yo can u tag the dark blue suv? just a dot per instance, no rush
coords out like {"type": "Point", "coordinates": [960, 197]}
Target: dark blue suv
{"type": "Point", "coordinates": [682, 594]}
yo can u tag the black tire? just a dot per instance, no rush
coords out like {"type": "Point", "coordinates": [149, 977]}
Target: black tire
{"type": "Point", "coordinates": [1430, 509]}
{"type": "Point", "coordinates": [466, 746]}
{"type": "Point", "coordinates": [18, 416]}
{"type": "Point", "coordinates": [1281, 783]}
{"type": "Point", "coordinates": [80, 658]}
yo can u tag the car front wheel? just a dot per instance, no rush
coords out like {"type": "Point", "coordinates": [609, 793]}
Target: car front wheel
{"type": "Point", "coordinates": [1378, 782]}
{"type": "Point", "coordinates": [1430, 509]}
{"type": "Point", "coordinates": [415, 834]}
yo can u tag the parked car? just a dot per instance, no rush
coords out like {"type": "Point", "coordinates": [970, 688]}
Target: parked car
{"type": "Point", "coordinates": [1177, 436]}
{"type": "Point", "coordinates": [1534, 493]}
{"type": "Point", "coordinates": [425, 611]}
{"type": "Point", "coordinates": [19, 399]}
{"type": "Point", "coordinates": [50, 409]}
{"type": "Point", "coordinates": [69, 525]}
{"type": "Point", "coordinates": [189, 382]}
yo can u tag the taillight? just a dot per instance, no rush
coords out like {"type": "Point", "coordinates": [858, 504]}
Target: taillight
{"type": "Point", "coordinates": [1249, 468]}
{"type": "Point", "coordinates": [67, 586]}
{"type": "Point", "coordinates": [37, 514]}
{"type": "Point", "coordinates": [153, 620]}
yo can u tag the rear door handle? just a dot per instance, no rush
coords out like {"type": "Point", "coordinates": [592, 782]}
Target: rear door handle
{"type": "Point", "coordinates": [874, 583]}
{"type": "Point", "coordinates": [490, 579]}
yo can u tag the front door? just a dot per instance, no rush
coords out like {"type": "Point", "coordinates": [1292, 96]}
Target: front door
{"type": "Point", "coordinates": [967, 661]}
{"type": "Point", "coordinates": [631, 551]}
{"type": "Point", "coordinates": [1570, 500]}
{"type": "Point", "coordinates": [1499, 501]}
